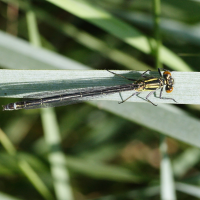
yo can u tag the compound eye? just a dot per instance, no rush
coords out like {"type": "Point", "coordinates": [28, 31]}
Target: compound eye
{"type": "Point", "coordinates": [169, 89]}
{"type": "Point", "coordinates": [167, 73]}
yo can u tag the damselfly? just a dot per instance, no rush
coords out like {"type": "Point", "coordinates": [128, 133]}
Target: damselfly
{"type": "Point", "coordinates": [146, 83]}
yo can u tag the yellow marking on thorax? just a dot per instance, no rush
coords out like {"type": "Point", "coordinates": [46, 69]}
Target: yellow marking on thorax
{"type": "Point", "coordinates": [148, 84]}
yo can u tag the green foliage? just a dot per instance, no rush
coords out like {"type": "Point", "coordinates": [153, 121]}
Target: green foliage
{"type": "Point", "coordinates": [104, 151]}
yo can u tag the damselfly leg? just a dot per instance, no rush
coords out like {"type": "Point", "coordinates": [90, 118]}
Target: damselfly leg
{"type": "Point", "coordinates": [136, 93]}
{"type": "Point", "coordinates": [130, 79]}
{"type": "Point", "coordinates": [143, 74]}
{"type": "Point", "coordinates": [166, 97]}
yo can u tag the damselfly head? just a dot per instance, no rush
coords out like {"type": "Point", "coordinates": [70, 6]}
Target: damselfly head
{"type": "Point", "coordinates": [169, 81]}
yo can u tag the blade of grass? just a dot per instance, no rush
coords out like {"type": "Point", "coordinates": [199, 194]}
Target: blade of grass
{"type": "Point", "coordinates": [7, 197]}
{"type": "Point", "coordinates": [167, 182]}
{"type": "Point", "coordinates": [166, 178]}
{"type": "Point", "coordinates": [56, 157]}
{"type": "Point", "coordinates": [184, 162]}
{"type": "Point", "coordinates": [34, 81]}
{"type": "Point", "coordinates": [25, 56]}
{"type": "Point", "coordinates": [99, 170]}
{"type": "Point", "coordinates": [188, 189]}
{"type": "Point", "coordinates": [175, 28]}
{"type": "Point", "coordinates": [156, 7]}
{"type": "Point", "coordinates": [32, 28]}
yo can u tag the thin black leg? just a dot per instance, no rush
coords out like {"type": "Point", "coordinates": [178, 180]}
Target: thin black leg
{"type": "Point", "coordinates": [130, 79]}
{"type": "Point", "coordinates": [160, 71]}
{"type": "Point", "coordinates": [147, 97]}
{"type": "Point", "coordinates": [164, 69]}
{"type": "Point", "coordinates": [148, 70]}
{"type": "Point", "coordinates": [136, 93]}
{"type": "Point", "coordinates": [166, 97]}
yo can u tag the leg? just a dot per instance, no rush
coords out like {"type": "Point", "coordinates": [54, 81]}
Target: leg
{"type": "Point", "coordinates": [143, 74]}
{"type": "Point", "coordinates": [129, 97]}
{"type": "Point", "coordinates": [130, 79]}
{"type": "Point", "coordinates": [159, 70]}
{"type": "Point", "coordinates": [163, 69]}
{"type": "Point", "coordinates": [166, 97]}
{"type": "Point", "coordinates": [147, 97]}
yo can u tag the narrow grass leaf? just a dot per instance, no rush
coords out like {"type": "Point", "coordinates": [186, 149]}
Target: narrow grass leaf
{"type": "Point", "coordinates": [167, 182]}
{"type": "Point", "coordinates": [188, 189]}
{"type": "Point", "coordinates": [57, 160]}
{"type": "Point", "coordinates": [102, 171]}
{"type": "Point", "coordinates": [25, 56]}
{"type": "Point", "coordinates": [185, 161]}
{"type": "Point", "coordinates": [7, 197]}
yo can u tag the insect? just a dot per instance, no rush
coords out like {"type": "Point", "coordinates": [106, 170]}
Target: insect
{"type": "Point", "coordinates": [145, 83]}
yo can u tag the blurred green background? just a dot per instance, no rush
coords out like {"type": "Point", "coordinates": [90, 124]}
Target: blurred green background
{"type": "Point", "coordinates": [84, 152]}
